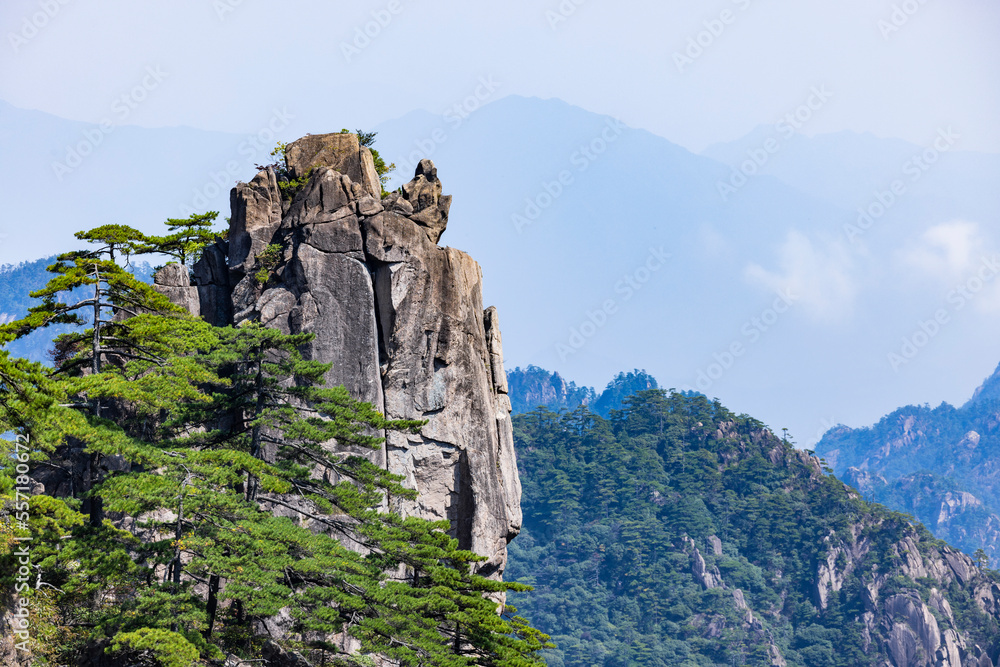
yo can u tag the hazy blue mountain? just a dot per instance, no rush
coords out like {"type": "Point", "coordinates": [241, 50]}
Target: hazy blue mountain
{"type": "Point", "coordinates": [988, 392]}
{"type": "Point", "coordinates": [633, 260]}
{"type": "Point", "coordinates": [847, 168]}
{"type": "Point", "coordinates": [534, 387]}
{"type": "Point", "coordinates": [550, 278]}
{"type": "Point", "coordinates": [938, 464]}
{"type": "Point", "coordinates": [132, 175]}
{"type": "Point", "coordinates": [16, 282]}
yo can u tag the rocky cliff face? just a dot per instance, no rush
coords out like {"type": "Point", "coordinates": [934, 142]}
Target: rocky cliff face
{"type": "Point", "coordinates": [532, 387]}
{"type": "Point", "coordinates": [400, 318]}
{"type": "Point", "coordinates": [919, 625]}
{"type": "Point", "coordinates": [907, 586]}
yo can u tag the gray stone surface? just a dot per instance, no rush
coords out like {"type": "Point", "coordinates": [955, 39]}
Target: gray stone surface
{"type": "Point", "coordinates": [174, 282]}
{"type": "Point", "coordinates": [400, 318]}
{"type": "Point", "coordinates": [340, 151]}
{"type": "Point", "coordinates": [322, 285]}
{"type": "Point", "coordinates": [211, 275]}
{"type": "Point", "coordinates": [430, 207]}
{"type": "Point", "coordinates": [703, 575]}
{"type": "Point", "coordinates": [716, 545]}
{"type": "Point", "coordinates": [921, 628]}
{"type": "Point", "coordinates": [256, 215]}
{"type": "Point", "coordinates": [510, 479]}
{"type": "Point", "coordinates": [437, 366]}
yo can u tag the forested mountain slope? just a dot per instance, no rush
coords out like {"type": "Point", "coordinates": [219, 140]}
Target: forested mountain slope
{"type": "Point", "coordinates": [939, 464]}
{"type": "Point", "coordinates": [677, 533]}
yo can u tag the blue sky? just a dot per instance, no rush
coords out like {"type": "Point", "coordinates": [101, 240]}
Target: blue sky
{"type": "Point", "coordinates": [695, 73]}
{"type": "Point", "coordinates": [722, 79]}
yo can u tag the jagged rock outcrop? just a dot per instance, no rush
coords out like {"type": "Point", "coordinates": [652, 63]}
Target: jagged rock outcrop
{"type": "Point", "coordinates": [830, 576]}
{"type": "Point", "coordinates": [938, 464]}
{"type": "Point", "coordinates": [400, 318]}
{"type": "Point", "coordinates": [709, 577]}
{"type": "Point", "coordinates": [342, 152]}
{"type": "Point", "coordinates": [532, 386]}
{"type": "Point", "coordinates": [174, 282]}
{"type": "Point", "coordinates": [920, 628]}
{"type": "Point", "coordinates": [437, 365]}
{"type": "Point", "coordinates": [423, 202]}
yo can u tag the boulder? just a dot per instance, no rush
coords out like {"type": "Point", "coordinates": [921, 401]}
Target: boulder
{"type": "Point", "coordinates": [430, 207]}
{"type": "Point", "coordinates": [340, 151]}
{"type": "Point", "coordinates": [174, 282]}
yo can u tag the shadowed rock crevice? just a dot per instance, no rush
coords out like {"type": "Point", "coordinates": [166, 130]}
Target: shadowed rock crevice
{"type": "Point", "coordinates": [465, 503]}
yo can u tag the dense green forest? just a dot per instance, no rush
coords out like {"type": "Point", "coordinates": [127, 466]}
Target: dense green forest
{"type": "Point", "coordinates": [660, 528]}
{"type": "Point", "coordinates": [677, 533]}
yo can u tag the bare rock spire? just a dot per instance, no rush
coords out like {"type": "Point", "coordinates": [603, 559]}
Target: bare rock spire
{"type": "Point", "coordinates": [400, 318]}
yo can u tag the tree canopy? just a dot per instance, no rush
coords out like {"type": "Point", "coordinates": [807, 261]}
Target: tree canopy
{"type": "Point", "coordinates": [212, 484]}
{"type": "Point", "coordinates": [621, 513]}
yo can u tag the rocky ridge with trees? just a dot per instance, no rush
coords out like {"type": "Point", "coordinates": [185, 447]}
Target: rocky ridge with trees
{"type": "Point", "coordinates": [296, 450]}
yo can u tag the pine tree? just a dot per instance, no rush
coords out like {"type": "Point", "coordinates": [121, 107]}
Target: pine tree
{"type": "Point", "coordinates": [187, 237]}
{"type": "Point", "coordinates": [113, 298]}
{"type": "Point", "coordinates": [242, 486]}
{"type": "Point", "coordinates": [222, 467]}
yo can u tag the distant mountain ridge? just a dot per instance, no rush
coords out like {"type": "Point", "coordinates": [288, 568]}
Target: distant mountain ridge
{"type": "Point", "coordinates": [16, 282]}
{"type": "Point", "coordinates": [939, 464]}
{"type": "Point", "coordinates": [621, 200]}
{"type": "Point", "coordinates": [988, 391]}
{"type": "Point", "coordinates": [534, 387]}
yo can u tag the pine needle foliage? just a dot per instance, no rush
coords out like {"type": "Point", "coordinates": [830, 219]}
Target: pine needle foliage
{"type": "Point", "coordinates": [224, 486]}
{"type": "Point", "coordinates": [186, 239]}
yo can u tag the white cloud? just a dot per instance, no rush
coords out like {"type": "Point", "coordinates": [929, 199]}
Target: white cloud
{"type": "Point", "coordinates": [953, 255]}
{"type": "Point", "coordinates": [819, 278]}
{"type": "Point", "coordinates": [946, 251]}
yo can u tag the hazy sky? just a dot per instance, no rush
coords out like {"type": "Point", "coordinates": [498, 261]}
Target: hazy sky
{"type": "Point", "coordinates": [696, 74]}
{"type": "Point", "coordinates": [895, 68]}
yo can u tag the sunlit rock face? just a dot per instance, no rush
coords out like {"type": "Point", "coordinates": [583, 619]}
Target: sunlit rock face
{"type": "Point", "coordinates": [400, 318]}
